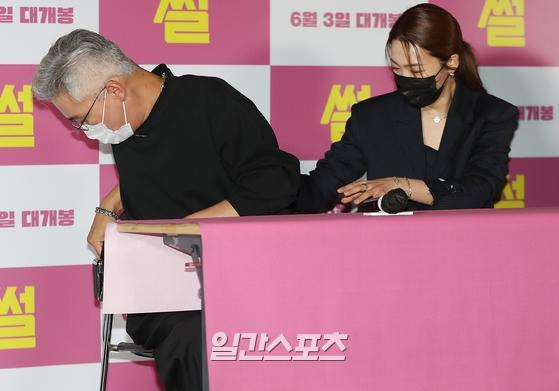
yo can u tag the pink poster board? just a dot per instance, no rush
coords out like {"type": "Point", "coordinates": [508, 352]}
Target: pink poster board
{"type": "Point", "coordinates": [441, 301]}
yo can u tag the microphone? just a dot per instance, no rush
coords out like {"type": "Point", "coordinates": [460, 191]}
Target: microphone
{"type": "Point", "coordinates": [395, 201]}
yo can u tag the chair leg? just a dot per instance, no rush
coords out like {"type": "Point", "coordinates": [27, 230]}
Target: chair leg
{"type": "Point", "coordinates": [107, 331]}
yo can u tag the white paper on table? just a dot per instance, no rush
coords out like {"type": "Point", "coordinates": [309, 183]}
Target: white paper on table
{"type": "Point", "coordinates": [407, 213]}
{"type": "Point", "coordinates": [144, 275]}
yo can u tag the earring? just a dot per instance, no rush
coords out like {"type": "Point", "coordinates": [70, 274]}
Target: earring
{"type": "Point", "coordinates": [451, 74]}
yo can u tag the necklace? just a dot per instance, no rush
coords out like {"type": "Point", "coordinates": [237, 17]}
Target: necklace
{"type": "Point", "coordinates": [437, 119]}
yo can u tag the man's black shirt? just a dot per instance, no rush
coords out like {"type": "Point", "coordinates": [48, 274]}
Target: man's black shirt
{"type": "Point", "coordinates": [202, 143]}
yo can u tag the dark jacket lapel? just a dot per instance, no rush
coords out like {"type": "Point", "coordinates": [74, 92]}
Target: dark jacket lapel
{"type": "Point", "coordinates": [410, 137]}
{"type": "Point", "coordinates": [459, 120]}
{"type": "Point", "coordinates": [410, 134]}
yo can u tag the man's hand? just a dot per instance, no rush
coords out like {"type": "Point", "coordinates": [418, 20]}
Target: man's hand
{"type": "Point", "coordinates": [96, 234]}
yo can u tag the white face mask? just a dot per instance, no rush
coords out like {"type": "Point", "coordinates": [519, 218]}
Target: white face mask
{"type": "Point", "coordinates": [105, 135]}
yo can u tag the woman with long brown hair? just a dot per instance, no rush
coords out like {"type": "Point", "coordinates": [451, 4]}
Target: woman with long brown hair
{"type": "Point", "coordinates": [440, 137]}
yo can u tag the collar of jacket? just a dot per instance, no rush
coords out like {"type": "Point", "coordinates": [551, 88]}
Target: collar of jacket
{"type": "Point", "coordinates": [409, 128]}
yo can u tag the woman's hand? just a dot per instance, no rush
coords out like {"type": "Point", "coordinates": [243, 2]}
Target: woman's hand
{"type": "Point", "coordinates": [360, 190]}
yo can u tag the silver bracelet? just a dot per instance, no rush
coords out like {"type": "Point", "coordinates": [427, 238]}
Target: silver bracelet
{"type": "Point", "coordinates": [106, 212]}
{"type": "Point", "coordinates": [408, 192]}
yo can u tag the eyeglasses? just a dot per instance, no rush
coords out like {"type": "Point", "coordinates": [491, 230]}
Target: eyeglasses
{"type": "Point", "coordinates": [82, 125]}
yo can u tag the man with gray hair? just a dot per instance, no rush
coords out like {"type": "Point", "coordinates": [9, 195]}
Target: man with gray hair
{"type": "Point", "coordinates": [186, 146]}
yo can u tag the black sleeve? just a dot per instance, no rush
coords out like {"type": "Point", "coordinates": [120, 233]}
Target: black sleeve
{"type": "Point", "coordinates": [342, 164]}
{"type": "Point", "coordinates": [485, 173]}
{"type": "Point", "coordinates": [265, 178]}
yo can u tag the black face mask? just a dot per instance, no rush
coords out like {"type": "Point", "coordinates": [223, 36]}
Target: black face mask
{"type": "Point", "coordinates": [419, 91]}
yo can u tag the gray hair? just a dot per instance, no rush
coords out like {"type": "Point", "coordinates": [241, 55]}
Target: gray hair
{"type": "Point", "coordinates": [79, 63]}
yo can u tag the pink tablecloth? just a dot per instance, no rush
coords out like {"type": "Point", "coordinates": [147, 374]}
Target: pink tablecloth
{"type": "Point", "coordinates": [435, 301]}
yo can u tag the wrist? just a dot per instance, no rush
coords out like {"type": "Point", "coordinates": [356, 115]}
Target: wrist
{"type": "Point", "coordinates": [422, 192]}
{"type": "Point", "coordinates": [109, 204]}
{"type": "Point", "coordinates": [408, 188]}
{"type": "Point", "coordinates": [112, 200]}
{"type": "Point", "coordinates": [106, 212]}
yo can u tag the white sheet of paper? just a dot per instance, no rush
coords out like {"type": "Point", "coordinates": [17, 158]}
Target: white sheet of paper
{"type": "Point", "coordinates": [144, 275]}
{"type": "Point", "coordinates": [407, 213]}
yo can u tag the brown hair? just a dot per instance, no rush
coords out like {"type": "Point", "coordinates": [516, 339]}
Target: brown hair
{"type": "Point", "coordinates": [434, 29]}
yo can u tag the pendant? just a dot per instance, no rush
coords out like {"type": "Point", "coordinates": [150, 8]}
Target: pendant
{"type": "Point", "coordinates": [437, 119]}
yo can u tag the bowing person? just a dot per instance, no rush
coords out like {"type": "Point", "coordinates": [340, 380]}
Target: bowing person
{"type": "Point", "coordinates": [184, 146]}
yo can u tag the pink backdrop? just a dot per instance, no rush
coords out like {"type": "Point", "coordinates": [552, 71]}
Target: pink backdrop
{"type": "Point", "coordinates": [288, 56]}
